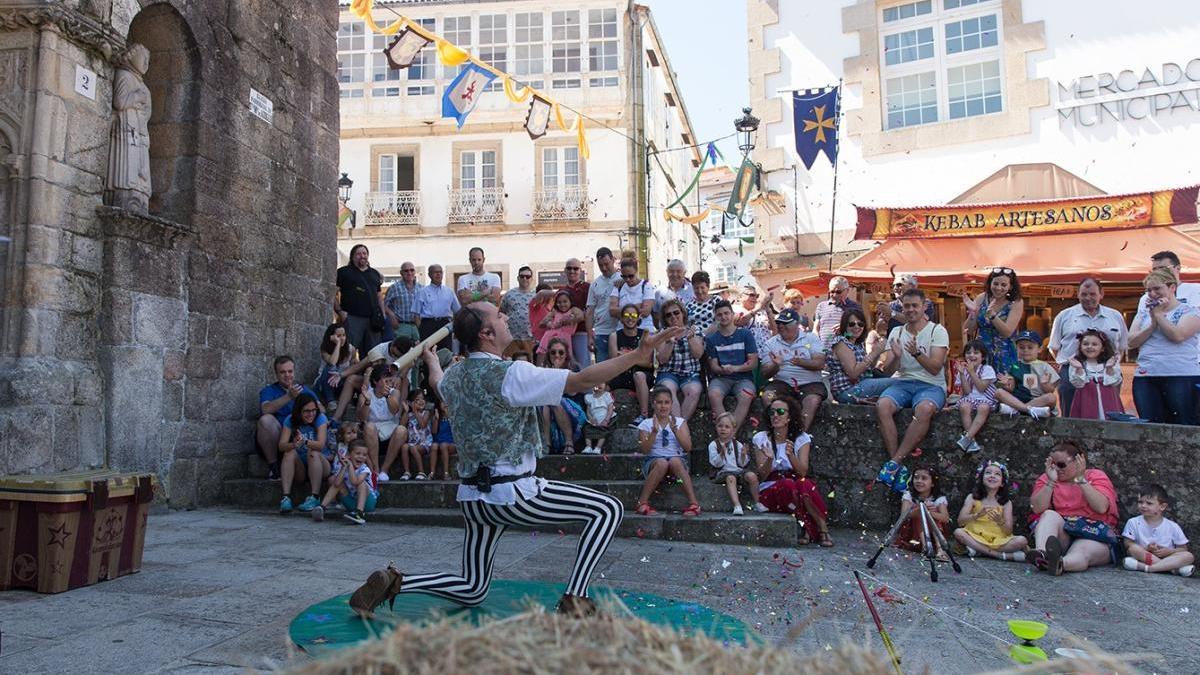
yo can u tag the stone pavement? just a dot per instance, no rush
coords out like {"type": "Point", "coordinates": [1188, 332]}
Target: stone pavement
{"type": "Point", "coordinates": [218, 588]}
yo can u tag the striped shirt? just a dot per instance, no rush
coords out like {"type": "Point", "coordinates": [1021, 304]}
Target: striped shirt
{"type": "Point", "coordinates": [402, 301]}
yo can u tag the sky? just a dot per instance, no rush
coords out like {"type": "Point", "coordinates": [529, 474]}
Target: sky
{"type": "Point", "coordinates": [708, 51]}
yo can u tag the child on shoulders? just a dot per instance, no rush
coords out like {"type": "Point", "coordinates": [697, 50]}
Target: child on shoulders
{"type": "Point", "coordinates": [730, 458]}
{"type": "Point", "coordinates": [923, 489]}
{"type": "Point", "coordinates": [666, 442]}
{"type": "Point", "coordinates": [1154, 542]}
{"type": "Point", "coordinates": [978, 382]}
{"type": "Point", "coordinates": [986, 518]}
{"type": "Point", "coordinates": [1031, 387]}
{"type": "Point", "coordinates": [600, 405]}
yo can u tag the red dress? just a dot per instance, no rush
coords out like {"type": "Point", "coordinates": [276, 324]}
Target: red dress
{"type": "Point", "coordinates": [785, 492]}
{"type": "Point", "coordinates": [1096, 393]}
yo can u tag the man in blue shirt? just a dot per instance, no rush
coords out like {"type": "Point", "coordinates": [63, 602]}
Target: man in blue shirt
{"type": "Point", "coordinates": [275, 404]}
{"type": "Point", "coordinates": [732, 357]}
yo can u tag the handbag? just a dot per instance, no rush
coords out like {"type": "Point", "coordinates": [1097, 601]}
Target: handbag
{"type": "Point", "coordinates": [1086, 528]}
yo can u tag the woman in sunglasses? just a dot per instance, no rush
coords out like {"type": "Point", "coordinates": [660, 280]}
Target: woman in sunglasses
{"type": "Point", "coordinates": [562, 424]}
{"type": "Point", "coordinates": [995, 315]}
{"type": "Point", "coordinates": [848, 360]}
{"type": "Point", "coordinates": [1075, 511]}
{"type": "Point", "coordinates": [627, 340]}
{"type": "Point", "coordinates": [1166, 334]}
{"type": "Point", "coordinates": [679, 361]}
{"type": "Point", "coordinates": [782, 455]}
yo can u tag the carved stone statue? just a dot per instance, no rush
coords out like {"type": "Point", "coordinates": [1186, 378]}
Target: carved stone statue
{"type": "Point", "coordinates": [128, 185]}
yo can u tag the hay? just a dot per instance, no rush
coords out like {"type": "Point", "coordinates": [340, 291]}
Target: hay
{"type": "Point", "coordinates": [539, 642]}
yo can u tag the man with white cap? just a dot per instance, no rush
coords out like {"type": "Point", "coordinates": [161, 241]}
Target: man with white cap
{"type": "Point", "coordinates": [893, 312]}
{"type": "Point", "coordinates": [829, 312]}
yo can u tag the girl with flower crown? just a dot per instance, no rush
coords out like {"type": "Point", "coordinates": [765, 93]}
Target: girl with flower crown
{"type": "Point", "coordinates": [986, 517]}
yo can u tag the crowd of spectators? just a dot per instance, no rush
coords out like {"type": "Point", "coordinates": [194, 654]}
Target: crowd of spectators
{"type": "Point", "coordinates": [738, 344]}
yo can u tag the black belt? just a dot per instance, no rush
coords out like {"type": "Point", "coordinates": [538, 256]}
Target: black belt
{"type": "Point", "coordinates": [483, 480]}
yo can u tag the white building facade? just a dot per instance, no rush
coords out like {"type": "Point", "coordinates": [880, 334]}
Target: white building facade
{"type": "Point", "coordinates": [940, 94]}
{"type": "Point", "coordinates": [426, 191]}
{"type": "Point", "coordinates": [729, 251]}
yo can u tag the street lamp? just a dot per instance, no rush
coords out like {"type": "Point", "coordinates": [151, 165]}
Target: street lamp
{"type": "Point", "coordinates": [344, 186]}
{"type": "Point", "coordinates": [746, 125]}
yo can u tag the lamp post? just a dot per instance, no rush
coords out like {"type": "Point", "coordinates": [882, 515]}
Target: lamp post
{"type": "Point", "coordinates": [345, 185]}
{"type": "Point", "coordinates": [745, 125]}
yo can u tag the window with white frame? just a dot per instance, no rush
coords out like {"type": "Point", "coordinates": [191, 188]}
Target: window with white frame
{"type": "Point", "coordinates": [457, 31]}
{"type": "Point", "coordinates": [423, 70]}
{"type": "Point", "coordinates": [352, 57]}
{"type": "Point", "coordinates": [387, 173]}
{"type": "Point", "coordinates": [565, 48]}
{"type": "Point", "coordinates": [940, 61]}
{"type": "Point", "coordinates": [560, 166]}
{"type": "Point", "coordinates": [493, 44]}
{"type": "Point", "coordinates": [529, 49]}
{"type": "Point", "coordinates": [477, 169]}
{"type": "Point", "coordinates": [603, 47]}
{"type": "Point", "coordinates": [385, 79]}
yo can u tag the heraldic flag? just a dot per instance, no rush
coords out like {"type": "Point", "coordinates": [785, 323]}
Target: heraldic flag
{"type": "Point", "coordinates": [815, 114]}
{"type": "Point", "coordinates": [464, 92]}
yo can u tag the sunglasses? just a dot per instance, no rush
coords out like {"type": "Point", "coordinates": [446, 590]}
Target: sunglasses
{"type": "Point", "coordinates": [1002, 270]}
{"type": "Point", "coordinates": [779, 412]}
{"type": "Point", "coordinates": [630, 315]}
{"type": "Point", "coordinates": [524, 276]}
{"type": "Point", "coordinates": [557, 352]}
{"type": "Point", "coordinates": [571, 269]}
{"type": "Point", "coordinates": [1062, 465]}
{"type": "Point", "coordinates": [855, 324]}
{"type": "Point", "coordinates": [664, 438]}
{"type": "Point", "coordinates": [838, 291]}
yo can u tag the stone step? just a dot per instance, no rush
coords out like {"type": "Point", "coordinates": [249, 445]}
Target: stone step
{"type": "Point", "coordinates": [255, 493]}
{"type": "Point", "coordinates": [758, 529]}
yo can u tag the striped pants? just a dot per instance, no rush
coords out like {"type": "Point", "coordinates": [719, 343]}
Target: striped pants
{"type": "Point", "coordinates": [558, 503]}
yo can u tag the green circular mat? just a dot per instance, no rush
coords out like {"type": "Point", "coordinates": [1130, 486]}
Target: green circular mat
{"type": "Point", "coordinates": [330, 625]}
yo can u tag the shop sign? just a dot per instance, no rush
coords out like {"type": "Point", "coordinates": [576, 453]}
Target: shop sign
{"type": "Point", "coordinates": [1059, 216]}
{"type": "Point", "coordinates": [1093, 100]}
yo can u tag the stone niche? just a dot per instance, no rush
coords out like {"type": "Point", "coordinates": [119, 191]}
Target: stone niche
{"type": "Point", "coordinates": [139, 342]}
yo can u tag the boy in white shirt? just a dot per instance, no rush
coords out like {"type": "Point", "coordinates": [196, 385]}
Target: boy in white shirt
{"type": "Point", "coordinates": [1156, 543]}
{"type": "Point", "coordinates": [600, 404]}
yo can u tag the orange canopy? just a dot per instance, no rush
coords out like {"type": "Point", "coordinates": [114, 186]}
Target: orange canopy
{"type": "Point", "coordinates": [1113, 257]}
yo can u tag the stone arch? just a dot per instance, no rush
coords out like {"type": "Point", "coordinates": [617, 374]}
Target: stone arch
{"type": "Point", "coordinates": [173, 80]}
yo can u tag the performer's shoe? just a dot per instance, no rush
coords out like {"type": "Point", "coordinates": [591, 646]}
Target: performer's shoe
{"type": "Point", "coordinates": [381, 585]}
{"type": "Point", "coordinates": [576, 606]}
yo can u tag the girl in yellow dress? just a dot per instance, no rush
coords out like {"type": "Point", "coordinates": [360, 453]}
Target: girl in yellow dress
{"type": "Point", "coordinates": [986, 518]}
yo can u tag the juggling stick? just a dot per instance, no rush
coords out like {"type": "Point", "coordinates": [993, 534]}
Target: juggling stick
{"type": "Point", "coordinates": [887, 639]}
{"type": "Point", "coordinates": [413, 354]}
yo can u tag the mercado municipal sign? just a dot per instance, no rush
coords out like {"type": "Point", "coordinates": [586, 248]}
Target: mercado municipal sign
{"type": "Point", "coordinates": [1088, 214]}
{"type": "Point", "coordinates": [1156, 91]}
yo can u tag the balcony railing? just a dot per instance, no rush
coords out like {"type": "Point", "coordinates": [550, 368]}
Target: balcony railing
{"type": "Point", "coordinates": [476, 205]}
{"type": "Point", "coordinates": [566, 202]}
{"type": "Point", "coordinates": [393, 208]}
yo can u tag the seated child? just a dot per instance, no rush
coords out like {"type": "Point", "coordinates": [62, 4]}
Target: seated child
{"type": "Point", "coordinates": [599, 415]}
{"type": "Point", "coordinates": [1156, 543]}
{"type": "Point", "coordinates": [1031, 386]}
{"type": "Point", "coordinates": [978, 382]}
{"type": "Point", "coordinates": [986, 518]}
{"type": "Point", "coordinates": [380, 409]}
{"type": "Point", "coordinates": [729, 457]}
{"type": "Point", "coordinates": [354, 486]}
{"type": "Point", "coordinates": [443, 440]}
{"type": "Point", "coordinates": [420, 436]}
{"type": "Point", "coordinates": [924, 487]}
{"type": "Point", "coordinates": [666, 441]}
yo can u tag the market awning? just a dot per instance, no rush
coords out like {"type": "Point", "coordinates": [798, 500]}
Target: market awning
{"type": "Point", "coordinates": [1113, 257]}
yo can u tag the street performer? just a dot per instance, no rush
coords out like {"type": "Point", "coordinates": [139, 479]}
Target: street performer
{"type": "Point", "coordinates": [492, 406]}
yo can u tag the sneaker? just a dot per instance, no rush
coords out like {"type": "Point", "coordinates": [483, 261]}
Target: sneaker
{"type": "Point", "coordinates": [738, 511]}
{"type": "Point", "coordinates": [901, 482]}
{"type": "Point", "coordinates": [1130, 564]}
{"type": "Point", "coordinates": [1006, 409]}
{"type": "Point", "coordinates": [971, 553]}
{"type": "Point", "coordinates": [311, 502]}
{"type": "Point", "coordinates": [285, 505]}
{"type": "Point", "coordinates": [974, 447]}
{"type": "Point", "coordinates": [591, 451]}
{"type": "Point", "coordinates": [273, 471]}
{"type": "Point", "coordinates": [419, 476]}
{"type": "Point", "coordinates": [963, 443]}
{"type": "Point", "coordinates": [759, 508]}
{"type": "Point", "coordinates": [355, 516]}
{"type": "Point", "coordinates": [318, 513]}
{"type": "Point", "coordinates": [1185, 571]}
{"type": "Point", "coordinates": [637, 420]}
{"type": "Point", "coordinates": [887, 473]}
{"type": "Point", "coordinates": [406, 476]}
{"type": "Point", "coordinates": [1018, 556]}
{"type": "Point", "coordinates": [383, 477]}
{"type": "Point", "coordinates": [1038, 412]}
